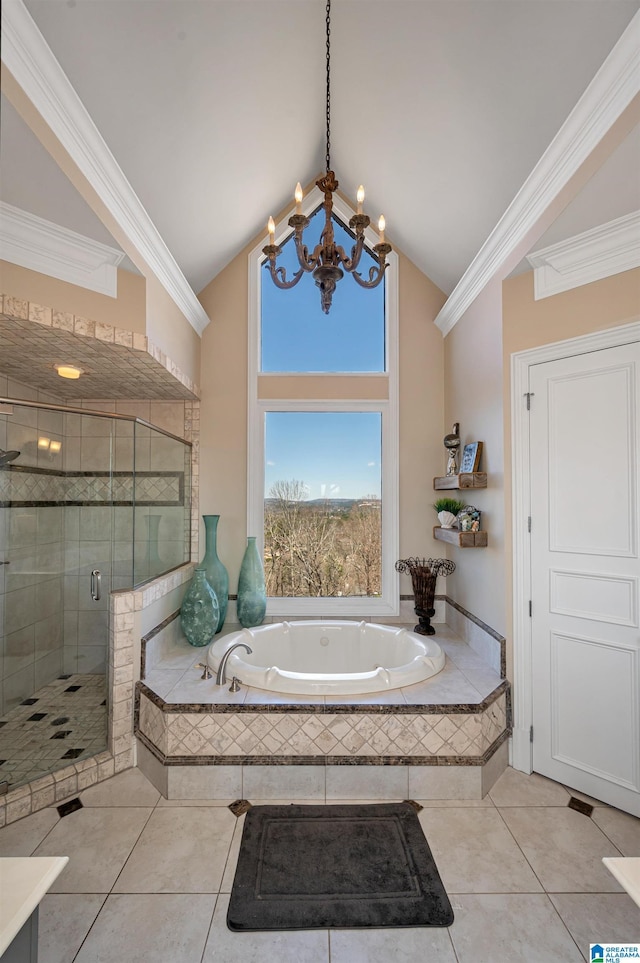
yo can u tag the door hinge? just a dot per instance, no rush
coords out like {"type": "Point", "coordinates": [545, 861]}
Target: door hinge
{"type": "Point", "coordinates": [531, 734]}
{"type": "Point", "coordinates": [529, 395]}
{"type": "Point", "coordinates": [530, 608]}
{"type": "Point", "coordinates": [529, 523]}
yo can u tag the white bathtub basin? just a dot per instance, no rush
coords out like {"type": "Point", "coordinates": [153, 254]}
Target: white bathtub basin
{"type": "Point", "coordinates": [314, 657]}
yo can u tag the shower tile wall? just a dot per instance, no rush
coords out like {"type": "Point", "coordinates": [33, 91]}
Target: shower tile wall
{"type": "Point", "coordinates": [32, 543]}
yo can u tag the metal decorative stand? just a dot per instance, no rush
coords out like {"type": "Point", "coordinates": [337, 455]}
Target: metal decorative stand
{"type": "Point", "coordinates": [424, 572]}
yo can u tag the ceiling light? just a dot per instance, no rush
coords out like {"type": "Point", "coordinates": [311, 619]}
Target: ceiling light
{"type": "Point", "coordinates": [328, 258]}
{"type": "Point", "coordinates": [68, 371]}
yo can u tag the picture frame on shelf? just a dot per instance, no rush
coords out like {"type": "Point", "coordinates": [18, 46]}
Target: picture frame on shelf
{"type": "Point", "coordinates": [471, 455]}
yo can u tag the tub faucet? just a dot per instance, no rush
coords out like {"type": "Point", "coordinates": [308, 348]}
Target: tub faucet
{"type": "Point", "coordinates": [221, 677]}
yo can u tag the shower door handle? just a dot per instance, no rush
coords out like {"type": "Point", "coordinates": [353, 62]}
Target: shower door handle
{"type": "Point", "coordinates": [95, 585]}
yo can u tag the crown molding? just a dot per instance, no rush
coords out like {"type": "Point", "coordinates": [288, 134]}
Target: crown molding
{"type": "Point", "coordinates": [591, 256]}
{"type": "Point", "coordinates": [610, 92]}
{"type": "Point", "coordinates": [27, 56]}
{"type": "Point", "coordinates": [56, 251]}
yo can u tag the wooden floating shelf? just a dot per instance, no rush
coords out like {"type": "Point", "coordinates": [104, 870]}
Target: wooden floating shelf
{"type": "Point", "coordinates": [471, 479]}
{"type": "Point", "coordinates": [463, 539]}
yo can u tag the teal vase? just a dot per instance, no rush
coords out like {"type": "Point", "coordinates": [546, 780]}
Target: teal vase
{"type": "Point", "coordinates": [217, 575]}
{"type": "Point", "coordinates": [252, 593]}
{"type": "Point", "coordinates": [200, 610]}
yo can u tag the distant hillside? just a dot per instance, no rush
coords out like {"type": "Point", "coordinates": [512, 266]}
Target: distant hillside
{"type": "Point", "coordinates": [344, 505]}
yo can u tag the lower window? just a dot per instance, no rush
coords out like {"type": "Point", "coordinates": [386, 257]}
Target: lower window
{"type": "Point", "coordinates": [323, 504]}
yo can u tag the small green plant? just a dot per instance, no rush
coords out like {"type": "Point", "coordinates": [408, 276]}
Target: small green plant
{"type": "Point", "coordinates": [449, 505]}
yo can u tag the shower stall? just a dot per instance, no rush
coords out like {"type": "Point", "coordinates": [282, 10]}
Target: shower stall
{"type": "Point", "coordinates": [90, 502]}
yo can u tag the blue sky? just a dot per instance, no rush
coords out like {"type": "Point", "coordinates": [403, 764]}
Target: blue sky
{"type": "Point", "coordinates": [297, 336]}
{"type": "Point", "coordinates": [336, 454]}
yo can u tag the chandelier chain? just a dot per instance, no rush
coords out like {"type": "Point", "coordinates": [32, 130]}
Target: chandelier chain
{"type": "Point", "coordinates": [328, 261]}
{"type": "Point", "coordinates": [328, 22]}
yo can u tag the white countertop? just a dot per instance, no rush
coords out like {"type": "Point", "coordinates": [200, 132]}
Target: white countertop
{"type": "Point", "coordinates": [626, 870]}
{"type": "Point", "coordinates": [24, 880]}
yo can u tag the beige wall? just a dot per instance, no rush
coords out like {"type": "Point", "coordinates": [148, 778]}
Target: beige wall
{"type": "Point", "coordinates": [592, 307]}
{"type": "Point", "coordinates": [223, 439]}
{"type": "Point", "coordinates": [473, 397]}
{"type": "Point", "coordinates": [126, 311]}
{"type": "Point", "coordinates": [168, 328]}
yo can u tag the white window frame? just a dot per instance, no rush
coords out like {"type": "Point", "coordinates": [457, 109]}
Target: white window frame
{"type": "Point", "coordinates": [388, 603]}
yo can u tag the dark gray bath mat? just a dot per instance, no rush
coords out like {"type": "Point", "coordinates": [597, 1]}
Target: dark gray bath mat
{"type": "Point", "coordinates": [318, 867]}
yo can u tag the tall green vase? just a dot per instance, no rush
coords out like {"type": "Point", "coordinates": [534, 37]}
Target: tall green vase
{"type": "Point", "coordinates": [199, 611]}
{"type": "Point", "coordinates": [252, 592]}
{"type": "Point", "coordinates": [217, 575]}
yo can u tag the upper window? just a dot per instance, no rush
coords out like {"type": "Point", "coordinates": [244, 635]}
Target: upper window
{"type": "Point", "coordinates": [297, 337]}
{"type": "Point", "coordinates": [323, 433]}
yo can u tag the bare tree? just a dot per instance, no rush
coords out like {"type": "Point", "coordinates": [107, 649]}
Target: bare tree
{"type": "Point", "coordinates": [317, 550]}
{"type": "Point", "coordinates": [365, 547]}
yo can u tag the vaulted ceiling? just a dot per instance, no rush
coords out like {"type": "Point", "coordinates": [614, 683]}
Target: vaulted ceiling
{"type": "Point", "coordinates": [215, 108]}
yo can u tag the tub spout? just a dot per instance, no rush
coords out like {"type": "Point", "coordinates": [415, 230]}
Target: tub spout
{"type": "Point", "coordinates": [221, 677]}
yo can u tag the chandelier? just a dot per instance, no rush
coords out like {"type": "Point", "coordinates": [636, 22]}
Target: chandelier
{"type": "Point", "coordinates": [328, 259]}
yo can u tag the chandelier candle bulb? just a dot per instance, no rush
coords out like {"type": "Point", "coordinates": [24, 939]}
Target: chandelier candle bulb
{"type": "Point", "coordinates": [360, 198]}
{"type": "Point", "coordinates": [298, 197]}
{"type": "Point", "coordinates": [381, 227]}
{"type": "Point", "coordinates": [271, 227]}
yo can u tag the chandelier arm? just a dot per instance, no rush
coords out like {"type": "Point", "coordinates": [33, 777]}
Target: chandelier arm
{"type": "Point", "coordinates": [374, 278]}
{"type": "Point", "coordinates": [279, 276]}
{"type": "Point", "coordinates": [380, 252]}
{"type": "Point", "coordinates": [351, 263]}
{"type": "Point", "coordinates": [306, 261]}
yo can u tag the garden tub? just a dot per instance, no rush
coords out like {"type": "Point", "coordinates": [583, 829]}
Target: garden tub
{"type": "Point", "coordinates": [316, 657]}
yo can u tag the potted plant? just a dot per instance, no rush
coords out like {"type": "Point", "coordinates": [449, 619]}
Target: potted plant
{"type": "Point", "coordinates": [447, 510]}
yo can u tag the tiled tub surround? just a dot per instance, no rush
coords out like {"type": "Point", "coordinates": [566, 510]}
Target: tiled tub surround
{"type": "Point", "coordinates": [450, 731]}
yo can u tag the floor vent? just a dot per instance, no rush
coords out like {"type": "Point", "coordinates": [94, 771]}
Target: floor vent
{"type": "Point", "coordinates": [580, 806]}
{"type": "Point", "coordinates": [69, 807]}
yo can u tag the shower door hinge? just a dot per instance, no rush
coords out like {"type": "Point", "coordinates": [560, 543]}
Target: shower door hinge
{"type": "Point", "coordinates": [529, 395]}
{"type": "Point", "coordinates": [530, 608]}
{"type": "Point", "coordinates": [531, 734]}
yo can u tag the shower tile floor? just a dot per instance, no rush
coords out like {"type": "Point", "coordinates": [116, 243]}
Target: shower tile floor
{"type": "Point", "coordinates": [61, 722]}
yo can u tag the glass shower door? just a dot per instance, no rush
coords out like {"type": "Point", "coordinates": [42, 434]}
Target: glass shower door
{"type": "Point", "coordinates": [56, 540]}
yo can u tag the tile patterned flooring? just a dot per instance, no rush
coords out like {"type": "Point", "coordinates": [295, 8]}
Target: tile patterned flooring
{"type": "Point", "coordinates": [149, 880]}
{"type": "Point", "coordinates": [63, 721]}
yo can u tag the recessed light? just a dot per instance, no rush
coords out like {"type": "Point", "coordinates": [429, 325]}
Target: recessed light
{"type": "Point", "coordinates": [68, 371]}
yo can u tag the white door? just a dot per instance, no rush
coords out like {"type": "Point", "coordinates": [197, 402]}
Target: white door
{"type": "Point", "coordinates": [585, 444]}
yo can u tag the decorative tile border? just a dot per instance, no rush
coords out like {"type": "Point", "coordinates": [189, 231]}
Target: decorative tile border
{"type": "Point", "coordinates": [281, 735]}
{"type": "Point", "coordinates": [25, 487]}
